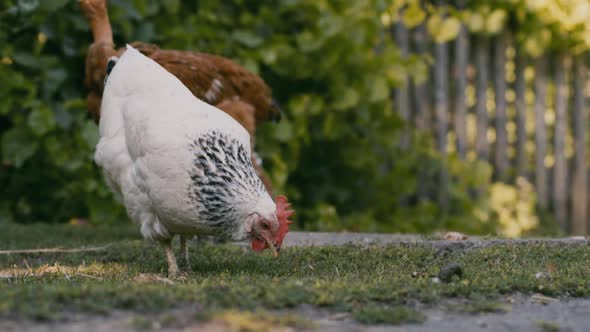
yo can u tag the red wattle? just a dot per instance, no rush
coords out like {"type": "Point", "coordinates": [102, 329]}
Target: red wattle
{"type": "Point", "coordinates": [258, 245]}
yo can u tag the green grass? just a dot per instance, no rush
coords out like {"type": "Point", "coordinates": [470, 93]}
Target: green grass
{"type": "Point", "coordinates": [374, 284]}
{"type": "Point", "coordinates": [548, 326]}
{"type": "Point", "coordinates": [479, 306]}
{"type": "Point", "coordinates": [383, 314]}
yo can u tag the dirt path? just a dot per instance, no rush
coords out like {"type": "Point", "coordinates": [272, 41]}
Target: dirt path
{"type": "Point", "coordinates": [522, 314]}
{"type": "Point", "coordinates": [319, 238]}
{"type": "Point", "coordinates": [526, 314]}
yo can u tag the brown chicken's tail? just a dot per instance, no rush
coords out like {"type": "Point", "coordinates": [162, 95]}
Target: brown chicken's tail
{"type": "Point", "coordinates": [96, 13]}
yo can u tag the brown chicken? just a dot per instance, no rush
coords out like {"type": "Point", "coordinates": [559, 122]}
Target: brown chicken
{"type": "Point", "coordinates": [213, 79]}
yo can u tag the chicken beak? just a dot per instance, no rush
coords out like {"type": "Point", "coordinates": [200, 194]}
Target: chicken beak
{"type": "Point", "coordinates": [273, 247]}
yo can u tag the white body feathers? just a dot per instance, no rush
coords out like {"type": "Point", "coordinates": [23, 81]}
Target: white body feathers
{"type": "Point", "coordinates": [176, 162]}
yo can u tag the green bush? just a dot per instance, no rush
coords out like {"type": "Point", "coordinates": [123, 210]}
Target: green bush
{"type": "Point", "coordinates": [336, 155]}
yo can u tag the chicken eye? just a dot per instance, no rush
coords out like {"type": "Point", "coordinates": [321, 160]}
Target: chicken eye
{"type": "Point", "coordinates": [265, 226]}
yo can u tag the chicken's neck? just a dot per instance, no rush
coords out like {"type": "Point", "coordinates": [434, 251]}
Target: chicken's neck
{"type": "Point", "coordinates": [97, 16]}
{"type": "Point", "coordinates": [224, 187]}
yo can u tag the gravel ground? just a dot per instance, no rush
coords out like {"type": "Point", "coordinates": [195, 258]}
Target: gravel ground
{"type": "Point", "coordinates": [526, 314]}
{"type": "Point", "coordinates": [319, 238]}
{"type": "Point", "coordinates": [523, 313]}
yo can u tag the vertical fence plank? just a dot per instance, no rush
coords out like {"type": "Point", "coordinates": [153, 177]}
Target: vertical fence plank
{"type": "Point", "coordinates": [460, 103]}
{"type": "Point", "coordinates": [501, 148]}
{"type": "Point", "coordinates": [481, 66]}
{"type": "Point", "coordinates": [422, 104]}
{"type": "Point", "coordinates": [401, 94]}
{"type": "Point", "coordinates": [520, 107]}
{"type": "Point", "coordinates": [422, 107]}
{"type": "Point", "coordinates": [580, 177]}
{"type": "Point", "coordinates": [540, 131]}
{"type": "Point", "coordinates": [560, 176]}
{"type": "Point", "coordinates": [441, 89]}
{"type": "Point", "coordinates": [414, 104]}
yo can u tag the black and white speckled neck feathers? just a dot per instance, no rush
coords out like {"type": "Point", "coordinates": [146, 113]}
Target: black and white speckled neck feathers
{"type": "Point", "coordinates": [224, 187]}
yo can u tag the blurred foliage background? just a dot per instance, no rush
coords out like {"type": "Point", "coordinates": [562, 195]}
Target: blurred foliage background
{"type": "Point", "coordinates": [331, 65]}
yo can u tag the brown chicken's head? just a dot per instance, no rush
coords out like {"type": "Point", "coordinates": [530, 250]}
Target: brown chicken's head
{"type": "Point", "coordinates": [270, 233]}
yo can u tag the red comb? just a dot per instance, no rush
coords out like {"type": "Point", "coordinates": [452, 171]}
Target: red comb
{"type": "Point", "coordinates": [283, 212]}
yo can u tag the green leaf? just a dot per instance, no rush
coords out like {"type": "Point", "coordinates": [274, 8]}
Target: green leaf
{"type": "Point", "coordinates": [315, 105]}
{"type": "Point", "coordinates": [41, 120]}
{"type": "Point", "coordinates": [269, 55]}
{"type": "Point", "coordinates": [434, 24]}
{"type": "Point", "coordinates": [172, 6]}
{"type": "Point", "coordinates": [26, 59]}
{"type": "Point", "coordinates": [51, 5]}
{"type": "Point", "coordinates": [247, 38]}
{"type": "Point", "coordinates": [17, 146]}
{"type": "Point", "coordinates": [251, 65]}
{"type": "Point", "coordinates": [63, 118]}
{"type": "Point", "coordinates": [56, 150]}
{"type": "Point", "coordinates": [54, 80]}
{"type": "Point", "coordinates": [414, 15]}
{"type": "Point", "coordinates": [380, 90]}
{"type": "Point", "coordinates": [28, 6]}
{"type": "Point", "coordinates": [348, 99]}
{"type": "Point", "coordinates": [280, 170]}
{"type": "Point", "coordinates": [5, 213]}
{"type": "Point", "coordinates": [146, 32]}
{"type": "Point", "coordinates": [495, 22]}
{"type": "Point", "coordinates": [419, 69]}
{"type": "Point", "coordinates": [534, 46]}
{"type": "Point", "coordinates": [475, 22]}
{"type": "Point", "coordinates": [283, 131]}
{"type": "Point", "coordinates": [90, 134]}
{"type": "Point", "coordinates": [330, 25]}
{"type": "Point", "coordinates": [328, 127]}
{"type": "Point", "coordinates": [308, 42]}
{"type": "Point", "coordinates": [449, 29]}
{"type": "Point", "coordinates": [395, 73]}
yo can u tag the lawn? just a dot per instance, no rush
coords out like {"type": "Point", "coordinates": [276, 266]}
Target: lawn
{"type": "Point", "coordinates": [373, 284]}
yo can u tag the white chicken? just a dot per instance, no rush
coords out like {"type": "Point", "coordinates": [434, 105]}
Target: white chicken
{"type": "Point", "coordinates": [179, 165]}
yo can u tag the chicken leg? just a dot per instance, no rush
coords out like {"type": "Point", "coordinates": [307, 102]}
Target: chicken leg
{"type": "Point", "coordinates": [97, 16]}
{"type": "Point", "coordinates": [173, 271]}
{"type": "Point", "coordinates": [184, 254]}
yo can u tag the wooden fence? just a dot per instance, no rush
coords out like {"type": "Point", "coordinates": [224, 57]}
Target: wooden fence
{"type": "Point", "coordinates": [487, 100]}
